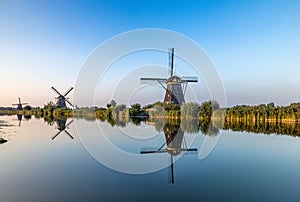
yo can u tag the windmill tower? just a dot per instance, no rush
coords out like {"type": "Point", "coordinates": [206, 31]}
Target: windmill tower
{"type": "Point", "coordinates": [175, 85]}
{"type": "Point", "coordinates": [61, 98]}
{"type": "Point", "coordinates": [174, 146]}
{"type": "Point", "coordinates": [20, 104]}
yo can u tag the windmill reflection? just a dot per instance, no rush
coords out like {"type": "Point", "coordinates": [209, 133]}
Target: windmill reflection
{"type": "Point", "coordinates": [20, 118]}
{"type": "Point", "coordinates": [175, 144]}
{"type": "Point", "coordinates": [62, 127]}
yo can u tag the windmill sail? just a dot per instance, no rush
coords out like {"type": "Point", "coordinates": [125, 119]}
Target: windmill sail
{"type": "Point", "coordinates": [171, 60]}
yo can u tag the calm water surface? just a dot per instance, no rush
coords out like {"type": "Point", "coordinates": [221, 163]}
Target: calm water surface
{"type": "Point", "coordinates": [38, 164]}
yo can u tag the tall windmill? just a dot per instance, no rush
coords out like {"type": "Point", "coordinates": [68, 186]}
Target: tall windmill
{"type": "Point", "coordinates": [20, 104]}
{"type": "Point", "coordinates": [176, 86]}
{"type": "Point", "coordinates": [61, 98]}
{"type": "Point", "coordinates": [175, 145]}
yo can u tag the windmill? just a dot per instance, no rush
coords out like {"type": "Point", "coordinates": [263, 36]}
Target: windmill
{"type": "Point", "coordinates": [174, 141]}
{"type": "Point", "coordinates": [61, 98]}
{"type": "Point", "coordinates": [61, 126]}
{"type": "Point", "coordinates": [176, 86]}
{"type": "Point", "coordinates": [20, 104]}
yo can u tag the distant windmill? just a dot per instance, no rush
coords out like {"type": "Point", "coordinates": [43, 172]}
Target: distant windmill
{"type": "Point", "coordinates": [20, 104]}
{"type": "Point", "coordinates": [175, 84]}
{"type": "Point", "coordinates": [61, 98]}
{"type": "Point", "coordinates": [61, 126]}
{"type": "Point", "coordinates": [174, 141]}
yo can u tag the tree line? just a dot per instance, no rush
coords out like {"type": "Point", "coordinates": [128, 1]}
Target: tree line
{"type": "Point", "coordinates": [264, 113]}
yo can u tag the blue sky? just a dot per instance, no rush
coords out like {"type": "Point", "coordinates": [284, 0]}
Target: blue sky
{"type": "Point", "coordinates": [255, 45]}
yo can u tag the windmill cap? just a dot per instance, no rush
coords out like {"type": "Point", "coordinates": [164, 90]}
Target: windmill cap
{"type": "Point", "coordinates": [174, 79]}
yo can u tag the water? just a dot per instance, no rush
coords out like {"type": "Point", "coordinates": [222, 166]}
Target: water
{"type": "Point", "coordinates": [242, 167]}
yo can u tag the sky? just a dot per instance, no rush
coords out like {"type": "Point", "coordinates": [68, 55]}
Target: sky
{"type": "Point", "coordinates": [254, 44]}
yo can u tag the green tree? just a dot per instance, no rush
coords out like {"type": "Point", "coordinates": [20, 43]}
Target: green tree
{"type": "Point", "coordinates": [190, 110]}
{"type": "Point", "coordinates": [207, 108]}
{"type": "Point", "coordinates": [113, 103]}
{"type": "Point", "coordinates": [135, 109]}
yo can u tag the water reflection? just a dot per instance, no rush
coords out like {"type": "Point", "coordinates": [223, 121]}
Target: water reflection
{"type": "Point", "coordinates": [62, 127]}
{"type": "Point", "coordinates": [20, 118]}
{"type": "Point", "coordinates": [60, 124]}
{"type": "Point", "coordinates": [280, 128]}
{"type": "Point", "coordinates": [174, 144]}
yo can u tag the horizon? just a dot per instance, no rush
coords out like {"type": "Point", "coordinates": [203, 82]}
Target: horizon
{"type": "Point", "coordinates": [254, 45]}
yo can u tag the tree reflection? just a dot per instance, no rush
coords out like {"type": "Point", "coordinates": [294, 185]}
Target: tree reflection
{"type": "Point", "coordinates": [288, 128]}
{"type": "Point", "coordinates": [209, 127]}
{"type": "Point", "coordinates": [190, 125]}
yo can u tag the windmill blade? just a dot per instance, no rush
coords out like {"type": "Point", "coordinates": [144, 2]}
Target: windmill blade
{"type": "Point", "coordinates": [171, 172]}
{"type": "Point", "coordinates": [193, 151]}
{"type": "Point", "coordinates": [69, 103]}
{"type": "Point", "coordinates": [68, 91]}
{"type": "Point", "coordinates": [56, 91]}
{"type": "Point", "coordinates": [189, 79]}
{"type": "Point", "coordinates": [152, 80]}
{"type": "Point", "coordinates": [161, 147]}
{"type": "Point", "coordinates": [69, 123]}
{"type": "Point", "coordinates": [69, 134]}
{"type": "Point", "coordinates": [151, 152]}
{"type": "Point", "coordinates": [26, 103]}
{"type": "Point", "coordinates": [171, 60]}
{"type": "Point", "coordinates": [56, 134]}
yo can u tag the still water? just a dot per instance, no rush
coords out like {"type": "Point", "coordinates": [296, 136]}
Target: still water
{"type": "Point", "coordinates": [61, 161]}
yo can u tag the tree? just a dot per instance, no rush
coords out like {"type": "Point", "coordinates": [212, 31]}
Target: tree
{"type": "Point", "coordinates": [190, 109]}
{"type": "Point", "coordinates": [27, 108]}
{"type": "Point", "coordinates": [135, 109]}
{"type": "Point", "coordinates": [120, 107]}
{"type": "Point", "coordinates": [113, 103]}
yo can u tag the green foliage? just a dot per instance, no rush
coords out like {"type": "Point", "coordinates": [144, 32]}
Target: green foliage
{"type": "Point", "coordinates": [113, 103]}
{"type": "Point", "coordinates": [28, 107]}
{"type": "Point", "coordinates": [135, 109]}
{"type": "Point", "coordinates": [157, 111]}
{"type": "Point", "coordinates": [262, 113]}
{"type": "Point", "coordinates": [190, 110]}
{"type": "Point", "coordinates": [207, 108]}
{"type": "Point", "coordinates": [120, 107]}
{"type": "Point", "coordinates": [148, 106]}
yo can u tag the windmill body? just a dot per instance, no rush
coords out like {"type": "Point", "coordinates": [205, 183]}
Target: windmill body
{"type": "Point", "coordinates": [175, 85]}
{"type": "Point", "coordinates": [20, 104]}
{"type": "Point", "coordinates": [174, 92]}
{"type": "Point", "coordinates": [61, 102]}
{"type": "Point", "coordinates": [62, 99]}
